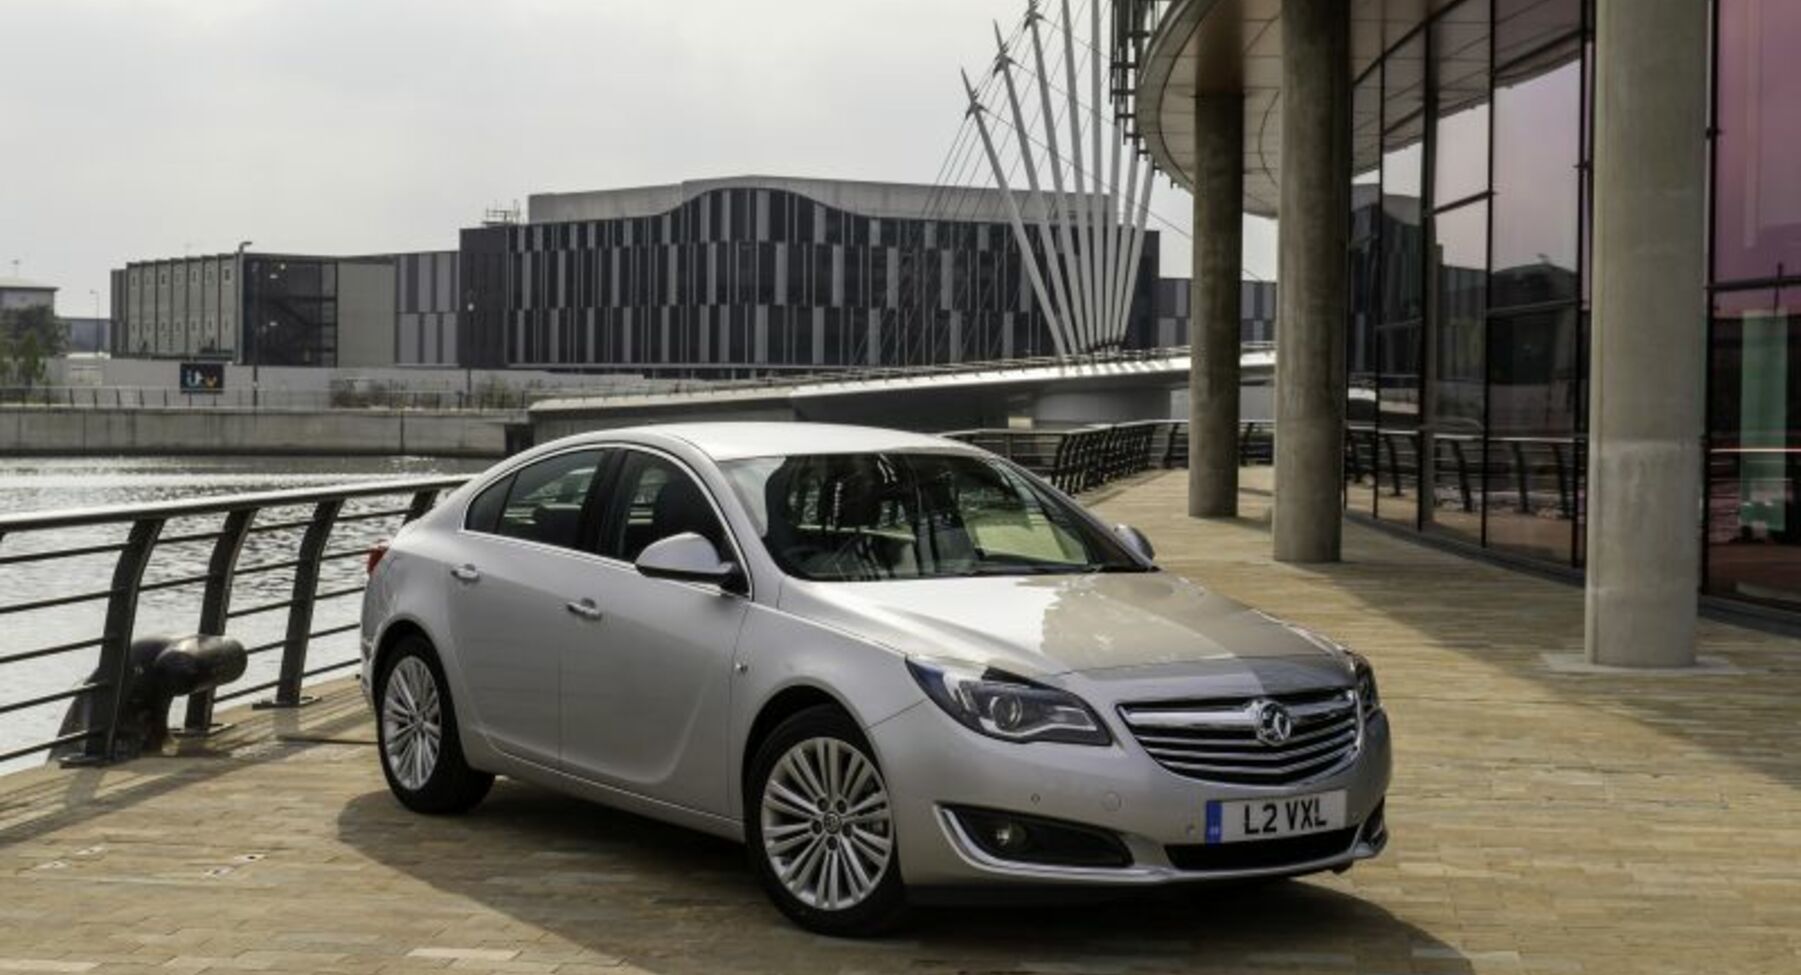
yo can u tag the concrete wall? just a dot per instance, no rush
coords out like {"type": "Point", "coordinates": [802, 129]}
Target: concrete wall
{"type": "Point", "coordinates": [99, 432]}
{"type": "Point", "coordinates": [1051, 403]}
{"type": "Point", "coordinates": [150, 379]}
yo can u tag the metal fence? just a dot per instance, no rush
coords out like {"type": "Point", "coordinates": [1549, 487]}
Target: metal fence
{"type": "Point", "coordinates": [1520, 475]}
{"type": "Point", "coordinates": [306, 547]}
{"type": "Point", "coordinates": [491, 396]}
{"type": "Point", "coordinates": [1085, 458]}
{"type": "Point", "coordinates": [293, 531]}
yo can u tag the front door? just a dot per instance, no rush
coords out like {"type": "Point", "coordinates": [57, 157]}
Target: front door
{"type": "Point", "coordinates": [645, 700]}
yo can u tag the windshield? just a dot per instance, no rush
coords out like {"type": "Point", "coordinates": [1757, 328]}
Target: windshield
{"type": "Point", "coordinates": [906, 515]}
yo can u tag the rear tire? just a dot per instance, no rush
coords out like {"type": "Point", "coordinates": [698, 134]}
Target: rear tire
{"type": "Point", "coordinates": [819, 826]}
{"type": "Point", "coordinates": [416, 734]}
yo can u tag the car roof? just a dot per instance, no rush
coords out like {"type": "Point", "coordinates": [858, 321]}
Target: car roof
{"type": "Point", "coordinates": [736, 440]}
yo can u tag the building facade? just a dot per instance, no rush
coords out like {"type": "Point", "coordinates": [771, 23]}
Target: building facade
{"type": "Point", "coordinates": [758, 274]}
{"type": "Point", "coordinates": [1472, 286]}
{"type": "Point", "coordinates": [1168, 325]}
{"type": "Point", "coordinates": [705, 278]}
{"type": "Point", "coordinates": [1569, 313]}
{"type": "Point", "coordinates": [17, 294]}
{"type": "Point", "coordinates": [289, 309]}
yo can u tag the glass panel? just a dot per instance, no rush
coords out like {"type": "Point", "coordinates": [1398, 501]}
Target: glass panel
{"type": "Point", "coordinates": [1758, 161]}
{"type": "Point", "coordinates": [1360, 341]}
{"type": "Point", "coordinates": [655, 499]}
{"type": "Point", "coordinates": [1538, 128]}
{"type": "Point", "coordinates": [1524, 27]}
{"type": "Point", "coordinates": [1534, 394]}
{"type": "Point", "coordinates": [1753, 525]}
{"type": "Point", "coordinates": [877, 516]}
{"type": "Point", "coordinates": [1460, 72]}
{"type": "Point", "coordinates": [546, 499]}
{"type": "Point", "coordinates": [484, 512]}
{"type": "Point", "coordinates": [1460, 251]}
{"type": "Point", "coordinates": [1403, 305]}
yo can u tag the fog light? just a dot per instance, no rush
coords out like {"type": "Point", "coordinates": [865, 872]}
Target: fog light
{"type": "Point", "coordinates": [1010, 836]}
{"type": "Point", "coordinates": [1035, 839]}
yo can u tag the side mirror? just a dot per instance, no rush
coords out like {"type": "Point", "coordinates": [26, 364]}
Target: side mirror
{"type": "Point", "coordinates": [1135, 540]}
{"type": "Point", "coordinates": [687, 557]}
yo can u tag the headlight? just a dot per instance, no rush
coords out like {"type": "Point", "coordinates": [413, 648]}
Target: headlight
{"type": "Point", "coordinates": [1367, 697]}
{"type": "Point", "coordinates": [1010, 708]}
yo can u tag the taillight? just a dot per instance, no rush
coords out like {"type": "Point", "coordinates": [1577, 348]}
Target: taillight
{"type": "Point", "coordinates": [376, 552]}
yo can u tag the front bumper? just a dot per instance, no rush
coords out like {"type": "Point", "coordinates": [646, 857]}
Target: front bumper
{"type": "Point", "coordinates": [932, 763]}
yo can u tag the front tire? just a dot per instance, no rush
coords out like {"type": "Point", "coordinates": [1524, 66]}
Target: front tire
{"type": "Point", "coordinates": [820, 828]}
{"type": "Point", "coordinates": [416, 734]}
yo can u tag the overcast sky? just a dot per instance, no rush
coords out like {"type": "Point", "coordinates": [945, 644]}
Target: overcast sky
{"type": "Point", "coordinates": [135, 129]}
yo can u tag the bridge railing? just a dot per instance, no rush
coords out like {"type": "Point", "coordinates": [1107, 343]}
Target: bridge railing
{"type": "Point", "coordinates": [499, 399]}
{"type": "Point", "coordinates": [294, 537]}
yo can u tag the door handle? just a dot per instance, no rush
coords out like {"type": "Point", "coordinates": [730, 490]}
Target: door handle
{"type": "Point", "coordinates": [584, 608]}
{"type": "Point", "coordinates": [466, 573]}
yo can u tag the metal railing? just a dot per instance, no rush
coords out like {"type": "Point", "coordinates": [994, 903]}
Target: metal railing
{"type": "Point", "coordinates": [1523, 475]}
{"type": "Point", "coordinates": [246, 398]}
{"type": "Point", "coordinates": [1085, 458]}
{"type": "Point", "coordinates": [324, 509]}
{"type": "Point", "coordinates": [495, 397]}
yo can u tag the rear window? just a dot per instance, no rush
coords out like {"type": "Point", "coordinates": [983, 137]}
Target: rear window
{"type": "Point", "coordinates": [542, 502]}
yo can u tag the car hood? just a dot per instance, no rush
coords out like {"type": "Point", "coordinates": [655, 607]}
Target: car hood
{"type": "Point", "coordinates": [1054, 624]}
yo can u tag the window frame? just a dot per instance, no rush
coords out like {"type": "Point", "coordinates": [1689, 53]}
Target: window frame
{"type": "Point", "coordinates": [608, 460]}
{"type": "Point", "coordinates": [607, 507]}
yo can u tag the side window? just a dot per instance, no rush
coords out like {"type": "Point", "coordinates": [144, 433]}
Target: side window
{"type": "Point", "coordinates": [545, 500]}
{"type": "Point", "coordinates": [654, 499]}
{"type": "Point", "coordinates": [484, 512]}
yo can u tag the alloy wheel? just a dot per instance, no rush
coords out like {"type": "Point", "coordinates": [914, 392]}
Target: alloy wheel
{"type": "Point", "coordinates": [826, 824]}
{"type": "Point", "coordinates": [412, 722]}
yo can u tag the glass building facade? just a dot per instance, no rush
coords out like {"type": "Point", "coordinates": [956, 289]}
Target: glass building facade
{"type": "Point", "coordinates": [746, 279]}
{"type": "Point", "coordinates": [1467, 338]}
{"type": "Point", "coordinates": [290, 311]}
{"type": "Point", "coordinates": [1753, 549]}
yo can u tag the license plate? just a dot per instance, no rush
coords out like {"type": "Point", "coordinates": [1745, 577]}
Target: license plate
{"type": "Point", "coordinates": [1239, 820]}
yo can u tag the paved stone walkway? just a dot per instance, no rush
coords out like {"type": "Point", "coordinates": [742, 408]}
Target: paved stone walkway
{"type": "Point", "coordinates": [1544, 821]}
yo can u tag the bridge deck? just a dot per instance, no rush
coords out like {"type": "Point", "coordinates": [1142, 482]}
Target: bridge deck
{"type": "Point", "coordinates": [1545, 821]}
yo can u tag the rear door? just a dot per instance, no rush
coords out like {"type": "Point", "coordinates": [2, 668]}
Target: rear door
{"type": "Point", "coordinates": [515, 603]}
{"type": "Point", "coordinates": [645, 698]}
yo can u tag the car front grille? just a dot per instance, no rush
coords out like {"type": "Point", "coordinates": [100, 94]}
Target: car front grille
{"type": "Point", "coordinates": [1217, 740]}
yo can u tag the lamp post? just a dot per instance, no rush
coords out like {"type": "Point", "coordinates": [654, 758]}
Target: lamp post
{"type": "Point", "coordinates": [244, 318]}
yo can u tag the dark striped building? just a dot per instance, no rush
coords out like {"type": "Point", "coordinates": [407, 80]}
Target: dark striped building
{"type": "Point", "coordinates": [759, 274]}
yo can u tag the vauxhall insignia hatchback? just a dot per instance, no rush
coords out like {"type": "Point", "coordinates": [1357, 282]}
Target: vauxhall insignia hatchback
{"type": "Point", "coordinates": [893, 665]}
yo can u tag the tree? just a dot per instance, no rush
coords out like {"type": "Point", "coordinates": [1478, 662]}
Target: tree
{"type": "Point", "coordinates": [29, 338]}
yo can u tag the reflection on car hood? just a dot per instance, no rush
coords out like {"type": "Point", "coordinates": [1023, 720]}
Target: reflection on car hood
{"type": "Point", "coordinates": [1040, 625]}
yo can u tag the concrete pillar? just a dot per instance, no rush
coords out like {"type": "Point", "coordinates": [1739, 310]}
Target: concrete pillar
{"type": "Point", "coordinates": [1649, 331]}
{"type": "Point", "coordinates": [1313, 280]}
{"type": "Point", "coordinates": [1213, 305]}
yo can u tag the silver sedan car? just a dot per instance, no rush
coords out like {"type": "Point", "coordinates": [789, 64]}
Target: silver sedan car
{"type": "Point", "coordinates": [893, 665]}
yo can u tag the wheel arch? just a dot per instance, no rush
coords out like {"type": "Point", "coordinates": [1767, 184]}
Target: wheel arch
{"type": "Point", "coordinates": [782, 705]}
{"type": "Point", "coordinates": [390, 638]}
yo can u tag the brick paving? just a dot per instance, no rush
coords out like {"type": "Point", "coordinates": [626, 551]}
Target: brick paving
{"type": "Point", "coordinates": [1544, 820]}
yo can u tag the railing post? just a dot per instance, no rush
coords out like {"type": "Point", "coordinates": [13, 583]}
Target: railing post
{"type": "Point", "coordinates": [1463, 478]}
{"type": "Point", "coordinates": [215, 608]}
{"type": "Point", "coordinates": [1522, 477]}
{"type": "Point", "coordinates": [1566, 502]}
{"type": "Point", "coordinates": [422, 502]}
{"type": "Point", "coordinates": [300, 613]}
{"type": "Point", "coordinates": [115, 641]}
